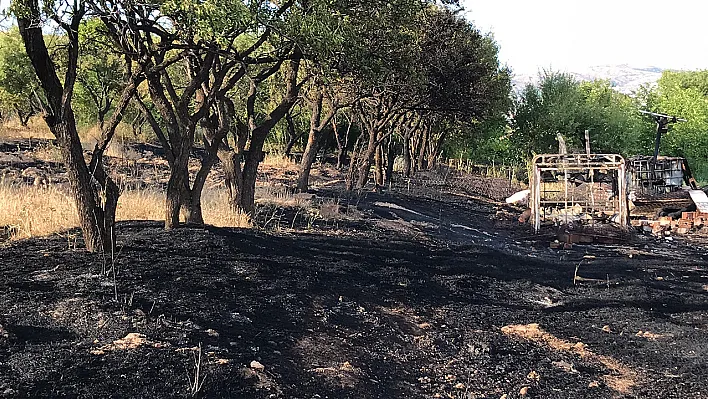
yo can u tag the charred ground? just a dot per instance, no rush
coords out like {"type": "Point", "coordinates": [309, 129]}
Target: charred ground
{"type": "Point", "coordinates": [433, 292]}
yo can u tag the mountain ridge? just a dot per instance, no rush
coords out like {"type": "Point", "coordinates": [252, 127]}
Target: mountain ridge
{"type": "Point", "coordinates": [624, 78]}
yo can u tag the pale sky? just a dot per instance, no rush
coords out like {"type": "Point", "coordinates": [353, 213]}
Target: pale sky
{"type": "Point", "coordinates": [572, 35]}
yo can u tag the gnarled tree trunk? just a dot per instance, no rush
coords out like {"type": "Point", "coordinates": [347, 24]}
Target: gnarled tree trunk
{"type": "Point", "coordinates": [95, 194]}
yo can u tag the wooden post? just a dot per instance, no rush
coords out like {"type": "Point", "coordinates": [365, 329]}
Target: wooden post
{"type": "Point", "coordinates": [587, 141]}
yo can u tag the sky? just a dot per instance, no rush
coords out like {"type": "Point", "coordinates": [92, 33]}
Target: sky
{"type": "Point", "coordinates": [572, 35]}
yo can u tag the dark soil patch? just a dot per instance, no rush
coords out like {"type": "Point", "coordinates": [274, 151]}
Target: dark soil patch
{"type": "Point", "coordinates": [343, 317]}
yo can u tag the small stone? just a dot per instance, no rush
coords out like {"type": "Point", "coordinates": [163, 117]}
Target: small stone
{"type": "Point", "coordinates": [594, 384]}
{"type": "Point", "coordinates": [459, 385]}
{"type": "Point", "coordinates": [212, 333]}
{"type": "Point", "coordinates": [606, 329]}
{"type": "Point", "coordinates": [533, 376]}
{"type": "Point", "coordinates": [524, 391]}
{"type": "Point", "coordinates": [256, 365]}
{"type": "Point", "coordinates": [424, 380]}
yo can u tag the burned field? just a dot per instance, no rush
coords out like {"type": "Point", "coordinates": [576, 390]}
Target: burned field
{"type": "Point", "coordinates": [433, 293]}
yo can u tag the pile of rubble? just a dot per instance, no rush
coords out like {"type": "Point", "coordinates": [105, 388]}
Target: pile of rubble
{"type": "Point", "coordinates": [690, 222]}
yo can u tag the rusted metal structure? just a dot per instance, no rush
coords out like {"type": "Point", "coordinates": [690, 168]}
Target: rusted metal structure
{"type": "Point", "coordinates": [657, 183]}
{"type": "Point", "coordinates": [582, 188]}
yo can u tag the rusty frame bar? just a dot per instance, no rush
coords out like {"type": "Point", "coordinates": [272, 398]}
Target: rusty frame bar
{"type": "Point", "coordinates": [578, 163]}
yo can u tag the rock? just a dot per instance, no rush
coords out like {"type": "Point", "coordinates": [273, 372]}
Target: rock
{"type": "Point", "coordinates": [594, 384]}
{"type": "Point", "coordinates": [459, 385]}
{"type": "Point", "coordinates": [524, 391]}
{"type": "Point", "coordinates": [533, 376]}
{"type": "Point", "coordinates": [606, 329]}
{"type": "Point", "coordinates": [256, 365]}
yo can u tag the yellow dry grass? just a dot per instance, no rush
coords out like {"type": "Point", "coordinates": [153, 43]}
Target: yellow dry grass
{"type": "Point", "coordinates": [36, 128]}
{"type": "Point", "coordinates": [277, 160]}
{"type": "Point", "coordinates": [29, 211]}
{"type": "Point", "coordinates": [47, 152]}
{"type": "Point", "coordinates": [280, 196]}
{"type": "Point", "coordinates": [32, 211]}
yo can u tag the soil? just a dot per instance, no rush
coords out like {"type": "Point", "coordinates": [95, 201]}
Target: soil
{"type": "Point", "coordinates": [433, 290]}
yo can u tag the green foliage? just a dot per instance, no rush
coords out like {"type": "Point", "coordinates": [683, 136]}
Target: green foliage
{"type": "Point", "coordinates": [19, 87]}
{"type": "Point", "coordinates": [561, 105]}
{"type": "Point", "coordinates": [684, 94]}
{"type": "Point", "coordinates": [100, 73]}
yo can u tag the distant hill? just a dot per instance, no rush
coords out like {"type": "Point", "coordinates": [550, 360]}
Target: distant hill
{"type": "Point", "coordinates": [625, 79]}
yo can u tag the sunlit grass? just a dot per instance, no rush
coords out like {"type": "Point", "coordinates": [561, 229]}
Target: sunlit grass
{"type": "Point", "coordinates": [31, 211]}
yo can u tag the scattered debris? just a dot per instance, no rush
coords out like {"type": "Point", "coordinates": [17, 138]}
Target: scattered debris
{"type": "Point", "coordinates": [130, 341]}
{"type": "Point", "coordinates": [256, 365]}
{"type": "Point", "coordinates": [649, 335]}
{"type": "Point", "coordinates": [521, 196]}
{"type": "Point", "coordinates": [565, 366]}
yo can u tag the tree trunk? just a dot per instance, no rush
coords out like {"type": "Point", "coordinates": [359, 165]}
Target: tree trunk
{"type": "Point", "coordinates": [308, 158]}
{"type": "Point", "coordinates": [313, 139]}
{"type": "Point", "coordinates": [233, 179]}
{"type": "Point", "coordinates": [423, 146]}
{"type": "Point", "coordinates": [367, 159]}
{"type": "Point", "coordinates": [260, 132]}
{"type": "Point", "coordinates": [407, 155]}
{"type": "Point", "coordinates": [351, 173]}
{"type": "Point", "coordinates": [96, 206]}
{"type": "Point", "coordinates": [195, 215]}
{"type": "Point", "coordinates": [293, 137]}
{"type": "Point", "coordinates": [96, 221]}
{"type": "Point", "coordinates": [434, 150]}
{"type": "Point", "coordinates": [379, 166]}
{"type": "Point", "coordinates": [23, 116]}
{"type": "Point", "coordinates": [342, 142]}
{"type": "Point", "coordinates": [247, 191]}
{"type": "Point", "coordinates": [390, 160]}
{"type": "Point", "coordinates": [175, 194]}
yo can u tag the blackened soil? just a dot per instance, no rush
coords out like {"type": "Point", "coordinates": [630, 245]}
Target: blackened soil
{"type": "Point", "coordinates": [380, 315]}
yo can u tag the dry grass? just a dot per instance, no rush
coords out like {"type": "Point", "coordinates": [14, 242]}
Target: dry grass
{"type": "Point", "coordinates": [218, 212]}
{"type": "Point", "coordinates": [150, 205]}
{"type": "Point", "coordinates": [29, 211]}
{"type": "Point", "coordinates": [47, 152]}
{"type": "Point", "coordinates": [280, 196]}
{"type": "Point", "coordinates": [32, 211]}
{"type": "Point", "coordinates": [36, 129]}
{"type": "Point", "coordinates": [279, 161]}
